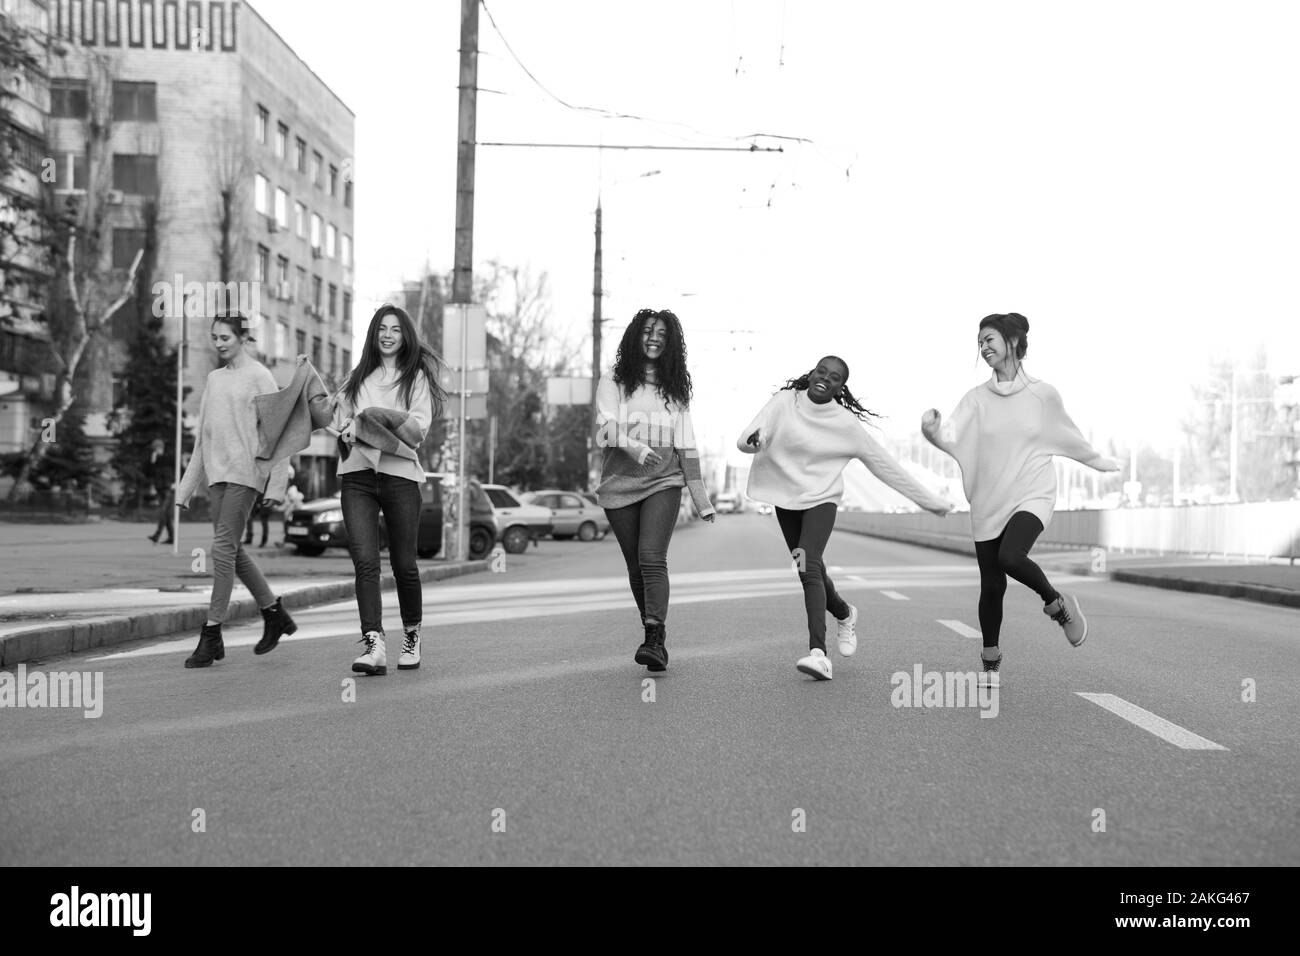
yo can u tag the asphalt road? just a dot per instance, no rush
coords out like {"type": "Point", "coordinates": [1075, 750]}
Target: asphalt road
{"type": "Point", "coordinates": [527, 737]}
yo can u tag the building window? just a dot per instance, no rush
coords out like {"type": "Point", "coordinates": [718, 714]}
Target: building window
{"type": "Point", "coordinates": [135, 174]}
{"type": "Point", "coordinates": [316, 160]}
{"type": "Point", "coordinates": [135, 101]}
{"type": "Point", "coordinates": [126, 243]}
{"type": "Point", "coordinates": [300, 220]}
{"type": "Point", "coordinates": [347, 194]}
{"type": "Point", "coordinates": [300, 155]}
{"type": "Point", "coordinates": [315, 351]}
{"type": "Point", "coordinates": [345, 250]}
{"type": "Point", "coordinates": [315, 231]}
{"type": "Point", "coordinates": [333, 300]}
{"type": "Point", "coordinates": [71, 172]}
{"type": "Point", "coordinates": [334, 180]}
{"type": "Point", "coordinates": [28, 150]}
{"type": "Point", "coordinates": [300, 288]}
{"type": "Point", "coordinates": [330, 234]}
{"type": "Point", "coordinates": [347, 361]}
{"type": "Point", "coordinates": [347, 311]}
{"type": "Point", "coordinates": [261, 193]}
{"type": "Point", "coordinates": [262, 266]}
{"type": "Point", "coordinates": [334, 359]}
{"type": "Point", "coordinates": [282, 338]}
{"type": "Point", "coordinates": [300, 339]}
{"type": "Point", "coordinates": [281, 208]}
{"type": "Point", "coordinates": [315, 291]}
{"type": "Point", "coordinates": [259, 126]}
{"type": "Point", "coordinates": [282, 270]}
{"type": "Point", "coordinates": [281, 140]}
{"type": "Point", "coordinates": [69, 99]}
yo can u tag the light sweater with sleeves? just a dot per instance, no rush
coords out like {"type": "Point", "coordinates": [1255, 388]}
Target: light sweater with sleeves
{"type": "Point", "coordinates": [1003, 435]}
{"type": "Point", "coordinates": [629, 427]}
{"type": "Point", "coordinates": [804, 448]}
{"type": "Point", "coordinates": [228, 440]}
{"type": "Point", "coordinates": [381, 390]}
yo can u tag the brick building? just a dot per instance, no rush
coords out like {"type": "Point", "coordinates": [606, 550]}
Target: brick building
{"type": "Point", "coordinates": [207, 99]}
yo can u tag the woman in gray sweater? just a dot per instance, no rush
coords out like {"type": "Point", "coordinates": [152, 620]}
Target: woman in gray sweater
{"type": "Point", "coordinates": [225, 462]}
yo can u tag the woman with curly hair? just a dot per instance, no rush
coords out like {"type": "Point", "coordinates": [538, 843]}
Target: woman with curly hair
{"type": "Point", "coordinates": [802, 441]}
{"type": "Point", "coordinates": [648, 455]}
{"type": "Point", "coordinates": [1003, 434]}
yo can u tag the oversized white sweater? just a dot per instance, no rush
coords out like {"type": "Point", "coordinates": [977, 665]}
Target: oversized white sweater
{"type": "Point", "coordinates": [1003, 435]}
{"type": "Point", "coordinates": [805, 447]}
{"type": "Point", "coordinates": [381, 390]}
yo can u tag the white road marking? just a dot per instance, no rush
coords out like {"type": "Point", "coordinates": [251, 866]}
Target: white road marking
{"type": "Point", "coordinates": [961, 628]}
{"type": "Point", "coordinates": [895, 596]}
{"type": "Point", "coordinates": [1151, 723]}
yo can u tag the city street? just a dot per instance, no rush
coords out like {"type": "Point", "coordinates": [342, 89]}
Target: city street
{"type": "Point", "coordinates": [529, 736]}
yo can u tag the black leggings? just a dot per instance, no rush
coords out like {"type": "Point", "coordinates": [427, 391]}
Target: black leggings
{"type": "Point", "coordinates": [1005, 556]}
{"type": "Point", "coordinates": [809, 530]}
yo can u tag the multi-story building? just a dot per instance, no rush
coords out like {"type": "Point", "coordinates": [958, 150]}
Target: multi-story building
{"type": "Point", "coordinates": [26, 379]}
{"type": "Point", "coordinates": [247, 154]}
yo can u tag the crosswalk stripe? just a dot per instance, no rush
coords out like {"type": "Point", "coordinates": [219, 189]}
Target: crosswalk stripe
{"type": "Point", "coordinates": [895, 596]}
{"type": "Point", "coordinates": [961, 628]}
{"type": "Point", "coordinates": [1152, 723]}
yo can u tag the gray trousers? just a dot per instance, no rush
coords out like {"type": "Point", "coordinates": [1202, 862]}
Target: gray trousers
{"type": "Point", "coordinates": [231, 506]}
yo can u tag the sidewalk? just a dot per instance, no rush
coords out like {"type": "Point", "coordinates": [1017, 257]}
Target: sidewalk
{"type": "Point", "coordinates": [69, 587]}
{"type": "Point", "coordinates": [1277, 583]}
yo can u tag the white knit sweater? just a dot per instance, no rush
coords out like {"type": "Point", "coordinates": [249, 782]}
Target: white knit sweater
{"type": "Point", "coordinates": [1003, 435]}
{"type": "Point", "coordinates": [805, 447]}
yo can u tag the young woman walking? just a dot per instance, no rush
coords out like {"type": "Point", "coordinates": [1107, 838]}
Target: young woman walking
{"type": "Point", "coordinates": [1003, 434]}
{"type": "Point", "coordinates": [224, 460]}
{"type": "Point", "coordinates": [802, 441]}
{"type": "Point", "coordinates": [648, 455]}
{"type": "Point", "coordinates": [381, 415]}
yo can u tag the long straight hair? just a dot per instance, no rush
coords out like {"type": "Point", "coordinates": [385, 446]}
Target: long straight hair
{"type": "Point", "coordinates": [415, 358]}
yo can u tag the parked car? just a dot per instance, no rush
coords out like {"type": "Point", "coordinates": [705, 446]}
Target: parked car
{"type": "Point", "coordinates": [519, 523]}
{"type": "Point", "coordinates": [318, 524]}
{"type": "Point", "coordinates": [728, 502]}
{"type": "Point", "coordinates": [571, 514]}
{"type": "Point", "coordinates": [764, 508]}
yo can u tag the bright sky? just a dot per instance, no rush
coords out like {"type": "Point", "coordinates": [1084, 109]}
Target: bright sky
{"type": "Point", "coordinates": [1123, 173]}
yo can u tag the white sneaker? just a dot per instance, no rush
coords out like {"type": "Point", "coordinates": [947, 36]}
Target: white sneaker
{"type": "Point", "coordinates": [816, 664]}
{"type": "Point", "coordinates": [375, 660]}
{"type": "Point", "coordinates": [1066, 612]}
{"type": "Point", "coordinates": [410, 658]}
{"type": "Point", "coordinates": [848, 637]}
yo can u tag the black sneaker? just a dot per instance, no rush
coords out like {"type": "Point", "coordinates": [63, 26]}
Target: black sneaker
{"type": "Point", "coordinates": [990, 675]}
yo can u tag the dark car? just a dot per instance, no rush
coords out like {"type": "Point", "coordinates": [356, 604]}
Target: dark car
{"type": "Point", "coordinates": [318, 524]}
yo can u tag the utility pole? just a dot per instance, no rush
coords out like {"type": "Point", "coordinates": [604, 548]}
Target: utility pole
{"type": "Point", "coordinates": [593, 461]}
{"type": "Point", "coordinates": [462, 286]}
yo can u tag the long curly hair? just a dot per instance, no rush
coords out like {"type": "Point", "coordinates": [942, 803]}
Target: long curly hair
{"type": "Point", "coordinates": [629, 366]}
{"type": "Point", "coordinates": [845, 397]}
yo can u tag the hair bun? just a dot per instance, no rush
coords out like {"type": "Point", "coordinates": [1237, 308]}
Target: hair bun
{"type": "Point", "coordinates": [1018, 322]}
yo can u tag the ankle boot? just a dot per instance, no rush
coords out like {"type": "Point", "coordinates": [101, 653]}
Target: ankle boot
{"type": "Point", "coordinates": [211, 647]}
{"type": "Point", "coordinates": [652, 652]}
{"type": "Point", "coordinates": [276, 621]}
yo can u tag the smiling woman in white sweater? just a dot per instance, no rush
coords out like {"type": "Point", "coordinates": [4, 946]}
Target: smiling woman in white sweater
{"type": "Point", "coordinates": [802, 441]}
{"type": "Point", "coordinates": [1003, 434]}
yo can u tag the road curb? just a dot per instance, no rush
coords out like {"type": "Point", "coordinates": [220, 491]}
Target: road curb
{"type": "Point", "coordinates": [955, 544]}
{"type": "Point", "coordinates": [42, 641]}
{"type": "Point", "coordinates": [1261, 593]}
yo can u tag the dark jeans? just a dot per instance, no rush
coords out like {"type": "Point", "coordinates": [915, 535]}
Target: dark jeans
{"type": "Point", "coordinates": [1005, 556]}
{"type": "Point", "coordinates": [259, 511]}
{"type": "Point", "coordinates": [230, 507]}
{"type": "Point", "coordinates": [165, 519]}
{"type": "Point", "coordinates": [809, 530]}
{"type": "Point", "coordinates": [365, 494]}
{"type": "Point", "coordinates": [643, 531]}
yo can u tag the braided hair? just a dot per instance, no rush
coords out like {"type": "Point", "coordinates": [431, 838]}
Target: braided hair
{"type": "Point", "coordinates": [844, 398]}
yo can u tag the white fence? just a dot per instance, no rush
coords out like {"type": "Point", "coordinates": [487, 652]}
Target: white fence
{"type": "Point", "coordinates": [1269, 529]}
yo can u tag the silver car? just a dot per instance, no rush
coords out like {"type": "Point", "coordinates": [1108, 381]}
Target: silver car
{"type": "Point", "coordinates": [571, 514]}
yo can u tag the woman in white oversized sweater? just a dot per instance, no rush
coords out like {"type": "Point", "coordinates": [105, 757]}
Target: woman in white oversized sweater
{"type": "Point", "coordinates": [1003, 434]}
{"type": "Point", "coordinates": [802, 441]}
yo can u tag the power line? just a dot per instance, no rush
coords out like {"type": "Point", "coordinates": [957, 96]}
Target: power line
{"type": "Point", "coordinates": [753, 148]}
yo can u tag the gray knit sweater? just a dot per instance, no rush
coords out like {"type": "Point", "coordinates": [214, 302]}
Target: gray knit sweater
{"type": "Point", "coordinates": [629, 426]}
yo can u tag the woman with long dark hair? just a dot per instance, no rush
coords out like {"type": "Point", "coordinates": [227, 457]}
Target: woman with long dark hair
{"type": "Point", "coordinates": [1003, 434]}
{"type": "Point", "coordinates": [802, 441]}
{"type": "Point", "coordinates": [225, 461]}
{"type": "Point", "coordinates": [382, 414]}
{"type": "Point", "coordinates": [648, 455]}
